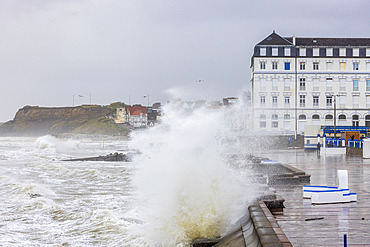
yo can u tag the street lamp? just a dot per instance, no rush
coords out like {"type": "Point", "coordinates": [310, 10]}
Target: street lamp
{"type": "Point", "coordinates": [147, 96]}
{"type": "Point", "coordinates": [335, 113]}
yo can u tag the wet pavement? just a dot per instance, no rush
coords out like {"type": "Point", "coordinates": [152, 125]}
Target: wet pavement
{"type": "Point", "coordinates": [325, 225]}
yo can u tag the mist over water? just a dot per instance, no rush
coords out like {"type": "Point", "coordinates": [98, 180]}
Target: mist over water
{"type": "Point", "coordinates": [185, 187]}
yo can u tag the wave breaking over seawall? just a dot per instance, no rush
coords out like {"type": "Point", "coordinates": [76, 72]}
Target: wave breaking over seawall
{"type": "Point", "coordinates": [184, 187]}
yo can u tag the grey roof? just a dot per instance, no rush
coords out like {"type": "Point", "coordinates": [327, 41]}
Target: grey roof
{"type": "Point", "coordinates": [275, 39]}
{"type": "Point", "coordinates": [331, 41]}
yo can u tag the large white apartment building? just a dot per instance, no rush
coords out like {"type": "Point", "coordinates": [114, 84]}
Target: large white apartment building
{"type": "Point", "coordinates": [299, 81]}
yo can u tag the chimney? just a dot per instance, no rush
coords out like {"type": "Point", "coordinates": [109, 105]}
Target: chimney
{"type": "Point", "coordinates": [293, 39]}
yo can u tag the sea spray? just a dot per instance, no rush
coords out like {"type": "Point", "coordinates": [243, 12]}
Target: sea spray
{"type": "Point", "coordinates": [184, 186]}
{"type": "Point", "coordinates": [60, 146]}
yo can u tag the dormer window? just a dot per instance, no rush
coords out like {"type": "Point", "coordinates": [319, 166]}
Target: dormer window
{"type": "Point", "coordinates": [287, 52]}
{"type": "Point", "coordinates": [315, 52]}
{"type": "Point", "coordinates": [329, 52]}
{"type": "Point", "coordinates": [342, 52]}
{"type": "Point", "coordinates": [262, 51]}
{"type": "Point", "coordinates": [274, 51]}
{"type": "Point", "coordinates": [356, 52]}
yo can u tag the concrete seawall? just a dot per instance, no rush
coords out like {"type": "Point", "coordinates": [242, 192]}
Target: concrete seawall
{"type": "Point", "coordinates": [257, 228]}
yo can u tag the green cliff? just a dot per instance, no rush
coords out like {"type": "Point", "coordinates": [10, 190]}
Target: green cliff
{"type": "Point", "coordinates": [85, 119]}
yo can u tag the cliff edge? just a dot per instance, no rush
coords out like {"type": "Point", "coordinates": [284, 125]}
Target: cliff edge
{"type": "Point", "coordinates": [85, 119]}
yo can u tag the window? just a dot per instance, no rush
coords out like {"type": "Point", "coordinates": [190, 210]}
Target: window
{"type": "Point", "coordinates": [342, 101]}
{"type": "Point", "coordinates": [287, 52]}
{"type": "Point", "coordinates": [302, 52]}
{"type": "Point", "coordinates": [302, 117]}
{"type": "Point", "coordinates": [342, 52]}
{"type": "Point", "coordinates": [315, 65]}
{"type": "Point", "coordinates": [342, 120]}
{"type": "Point", "coordinates": [316, 84]}
{"type": "Point", "coordinates": [367, 120]}
{"type": "Point", "coordinates": [356, 52]}
{"type": "Point", "coordinates": [342, 84]}
{"type": "Point", "coordinates": [329, 84]}
{"type": "Point", "coordinates": [367, 84]}
{"type": "Point", "coordinates": [315, 101]}
{"type": "Point", "coordinates": [286, 121]}
{"type": "Point", "coordinates": [368, 52]}
{"type": "Point", "coordinates": [286, 84]}
{"type": "Point", "coordinates": [262, 51]}
{"type": "Point", "coordinates": [315, 52]}
{"type": "Point", "coordinates": [355, 85]}
{"type": "Point", "coordinates": [302, 65]}
{"type": "Point", "coordinates": [274, 121]}
{"type": "Point", "coordinates": [302, 100]}
{"type": "Point", "coordinates": [275, 51]}
{"type": "Point", "coordinates": [342, 65]}
{"type": "Point", "coordinates": [263, 100]}
{"type": "Point", "coordinates": [274, 101]}
{"type": "Point", "coordinates": [355, 101]}
{"type": "Point", "coordinates": [316, 119]}
{"type": "Point", "coordinates": [274, 84]}
{"type": "Point", "coordinates": [286, 101]}
{"type": "Point", "coordinates": [328, 119]}
{"type": "Point", "coordinates": [262, 121]}
{"type": "Point", "coordinates": [355, 120]}
{"type": "Point", "coordinates": [262, 65]}
{"type": "Point", "coordinates": [287, 65]}
{"type": "Point", "coordinates": [329, 101]}
{"type": "Point", "coordinates": [355, 65]}
{"type": "Point", "coordinates": [302, 84]}
{"type": "Point", "coordinates": [274, 65]}
{"type": "Point", "coordinates": [263, 84]}
{"type": "Point", "coordinates": [329, 65]}
{"type": "Point", "coordinates": [329, 52]}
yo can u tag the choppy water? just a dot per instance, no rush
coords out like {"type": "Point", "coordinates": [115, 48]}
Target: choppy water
{"type": "Point", "coordinates": [180, 188]}
{"type": "Point", "coordinates": [47, 202]}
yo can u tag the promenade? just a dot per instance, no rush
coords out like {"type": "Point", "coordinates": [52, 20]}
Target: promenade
{"type": "Point", "coordinates": [324, 225]}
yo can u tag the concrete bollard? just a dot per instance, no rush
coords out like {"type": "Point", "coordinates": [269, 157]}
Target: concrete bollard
{"type": "Point", "coordinates": [342, 179]}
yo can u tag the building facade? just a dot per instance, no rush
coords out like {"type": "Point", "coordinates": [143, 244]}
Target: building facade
{"type": "Point", "coordinates": [310, 81]}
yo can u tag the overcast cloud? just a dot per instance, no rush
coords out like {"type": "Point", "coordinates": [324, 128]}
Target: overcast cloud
{"type": "Point", "coordinates": [120, 50]}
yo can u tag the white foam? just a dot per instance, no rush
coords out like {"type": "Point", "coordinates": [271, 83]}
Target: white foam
{"type": "Point", "coordinates": [184, 187]}
{"type": "Point", "coordinates": [60, 146]}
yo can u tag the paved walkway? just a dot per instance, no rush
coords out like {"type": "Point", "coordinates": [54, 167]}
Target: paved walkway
{"type": "Point", "coordinates": [352, 219]}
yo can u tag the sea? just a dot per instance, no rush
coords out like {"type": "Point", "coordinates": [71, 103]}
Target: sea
{"type": "Point", "coordinates": [179, 186]}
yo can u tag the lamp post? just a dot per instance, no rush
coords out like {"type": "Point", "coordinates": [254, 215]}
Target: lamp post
{"type": "Point", "coordinates": [335, 117]}
{"type": "Point", "coordinates": [335, 114]}
{"type": "Point", "coordinates": [147, 96]}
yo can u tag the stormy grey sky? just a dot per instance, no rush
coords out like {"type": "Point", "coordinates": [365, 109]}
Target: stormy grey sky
{"type": "Point", "coordinates": [51, 50]}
